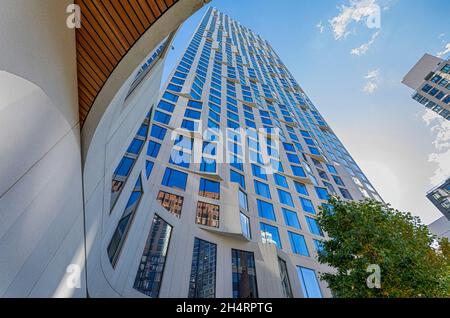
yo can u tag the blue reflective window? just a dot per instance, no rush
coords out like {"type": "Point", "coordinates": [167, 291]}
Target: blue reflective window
{"type": "Point", "coordinates": [208, 165]}
{"type": "Point", "coordinates": [189, 113]}
{"type": "Point", "coordinates": [184, 142]}
{"type": "Point", "coordinates": [135, 146]}
{"type": "Point", "coordinates": [307, 206]}
{"type": "Point", "coordinates": [309, 282]}
{"type": "Point", "coordinates": [158, 132]}
{"type": "Point", "coordinates": [245, 226]}
{"type": "Point", "coordinates": [143, 131]}
{"type": "Point", "coordinates": [258, 171]}
{"type": "Point", "coordinates": [153, 149]}
{"type": "Point", "coordinates": [314, 151]}
{"type": "Point", "coordinates": [318, 244]}
{"type": "Point", "coordinates": [293, 158]}
{"type": "Point", "coordinates": [346, 194]}
{"type": "Point", "coordinates": [189, 125]}
{"type": "Point", "coordinates": [161, 117]}
{"type": "Point", "coordinates": [195, 104]}
{"type": "Point", "coordinates": [298, 171]}
{"type": "Point", "coordinates": [237, 178]}
{"type": "Point", "coordinates": [174, 88]}
{"type": "Point", "coordinates": [288, 147]}
{"type": "Point", "coordinates": [269, 234]}
{"type": "Point", "coordinates": [291, 219]}
{"type": "Point", "coordinates": [209, 189]}
{"type": "Point", "coordinates": [301, 188]}
{"type": "Point", "coordinates": [262, 189]}
{"type": "Point", "coordinates": [281, 180]}
{"type": "Point", "coordinates": [285, 198]}
{"type": "Point", "coordinates": [180, 158]}
{"type": "Point", "coordinates": [313, 226]}
{"type": "Point", "coordinates": [332, 169]}
{"type": "Point", "coordinates": [298, 244]}
{"type": "Point", "coordinates": [171, 97]}
{"type": "Point", "coordinates": [166, 106]}
{"type": "Point", "coordinates": [265, 210]}
{"type": "Point", "coordinates": [322, 193]}
{"type": "Point", "coordinates": [175, 179]}
{"type": "Point", "coordinates": [124, 167]}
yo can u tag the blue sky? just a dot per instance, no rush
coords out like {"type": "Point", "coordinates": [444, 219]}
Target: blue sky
{"type": "Point", "coordinates": [403, 149]}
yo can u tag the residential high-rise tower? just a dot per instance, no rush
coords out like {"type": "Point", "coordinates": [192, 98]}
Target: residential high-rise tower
{"type": "Point", "coordinates": [237, 161]}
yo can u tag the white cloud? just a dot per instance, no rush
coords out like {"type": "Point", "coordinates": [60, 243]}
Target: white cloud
{"type": "Point", "coordinates": [441, 156]}
{"type": "Point", "coordinates": [365, 47]}
{"type": "Point", "coordinates": [445, 51]}
{"type": "Point", "coordinates": [370, 87]}
{"type": "Point", "coordinates": [372, 77]}
{"type": "Point", "coordinates": [320, 26]}
{"type": "Point", "coordinates": [356, 11]}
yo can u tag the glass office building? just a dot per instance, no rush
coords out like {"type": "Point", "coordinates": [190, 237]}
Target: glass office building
{"type": "Point", "coordinates": [238, 161]}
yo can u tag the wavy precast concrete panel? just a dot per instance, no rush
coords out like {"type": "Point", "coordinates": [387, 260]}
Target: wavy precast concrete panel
{"type": "Point", "coordinates": [39, 47]}
{"type": "Point", "coordinates": [30, 125]}
{"type": "Point", "coordinates": [49, 215]}
{"type": "Point", "coordinates": [40, 165]}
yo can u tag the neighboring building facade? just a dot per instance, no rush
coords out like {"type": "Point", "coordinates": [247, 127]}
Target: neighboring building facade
{"type": "Point", "coordinates": [440, 197]}
{"type": "Point", "coordinates": [189, 218]}
{"type": "Point", "coordinates": [440, 227]}
{"type": "Point", "coordinates": [430, 78]}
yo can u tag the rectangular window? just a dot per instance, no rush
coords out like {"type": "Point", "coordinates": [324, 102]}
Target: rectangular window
{"type": "Point", "coordinates": [314, 227]}
{"type": "Point", "coordinates": [285, 198]}
{"type": "Point", "coordinates": [298, 244]}
{"type": "Point", "coordinates": [158, 132]}
{"type": "Point", "coordinates": [265, 210]}
{"type": "Point", "coordinates": [162, 118]}
{"type": "Point", "coordinates": [175, 179]}
{"type": "Point", "coordinates": [307, 206]}
{"type": "Point", "coordinates": [301, 188]}
{"type": "Point", "coordinates": [281, 180]}
{"type": "Point", "coordinates": [322, 193]}
{"type": "Point", "coordinates": [209, 189]}
{"type": "Point", "coordinates": [291, 219]}
{"type": "Point", "coordinates": [171, 202]}
{"type": "Point", "coordinates": [270, 235]}
{"type": "Point", "coordinates": [287, 290]}
{"type": "Point", "coordinates": [262, 189]}
{"type": "Point", "coordinates": [243, 201]}
{"type": "Point", "coordinates": [309, 282]}
{"type": "Point", "coordinates": [124, 224]}
{"type": "Point", "coordinates": [202, 283]}
{"type": "Point", "coordinates": [244, 274]}
{"type": "Point", "coordinates": [298, 171]}
{"type": "Point", "coordinates": [318, 245]}
{"type": "Point", "coordinates": [207, 214]}
{"type": "Point", "coordinates": [237, 178]}
{"type": "Point", "coordinates": [245, 226]}
{"type": "Point", "coordinates": [150, 273]}
{"type": "Point", "coordinates": [346, 194]}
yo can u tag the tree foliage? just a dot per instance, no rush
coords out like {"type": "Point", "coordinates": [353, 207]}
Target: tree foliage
{"type": "Point", "coordinates": [369, 232]}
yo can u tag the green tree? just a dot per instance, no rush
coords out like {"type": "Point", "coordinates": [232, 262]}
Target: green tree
{"type": "Point", "coordinates": [369, 232]}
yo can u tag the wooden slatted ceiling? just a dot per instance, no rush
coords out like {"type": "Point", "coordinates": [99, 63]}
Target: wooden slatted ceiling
{"type": "Point", "coordinates": [109, 28]}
